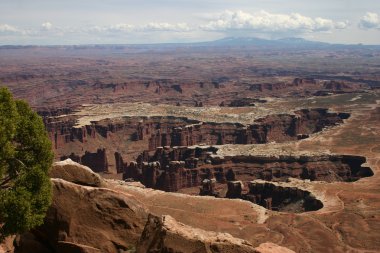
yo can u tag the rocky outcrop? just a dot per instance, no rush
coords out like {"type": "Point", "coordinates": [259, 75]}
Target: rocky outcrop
{"type": "Point", "coordinates": [99, 218]}
{"type": "Point", "coordinates": [265, 87]}
{"type": "Point", "coordinates": [281, 198]}
{"type": "Point", "coordinates": [235, 189]}
{"type": "Point", "coordinates": [170, 169]}
{"type": "Point", "coordinates": [336, 85]}
{"type": "Point", "coordinates": [303, 81]}
{"type": "Point", "coordinates": [119, 163]}
{"type": "Point", "coordinates": [76, 173]}
{"type": "Point", "coordinates": [167, 235]}
{"type": "Point", "coordinates": [47, 113]}
{"type": "Point", "coordinates": [208, 188]}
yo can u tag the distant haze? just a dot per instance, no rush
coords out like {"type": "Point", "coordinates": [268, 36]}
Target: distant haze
{"type": "Point", "coordinates": [59, 22]}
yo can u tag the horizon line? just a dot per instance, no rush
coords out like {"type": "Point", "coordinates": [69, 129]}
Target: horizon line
{"type": "Point", "coordinates": [195, 42]}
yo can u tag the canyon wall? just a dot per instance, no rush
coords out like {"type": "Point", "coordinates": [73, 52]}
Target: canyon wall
{"type": "Point", "coordinates": [172, 169]}
{"type": "Point", "coordinates": [107, 144]}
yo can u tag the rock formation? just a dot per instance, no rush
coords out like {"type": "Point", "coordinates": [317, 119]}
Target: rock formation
{"type": "Point", "coordinates": [103, 219]}
{"type": "Point", "coordinates": [165, 234]}
{"type": "Point", "coordinates": [96, 161]}
{"type": "Point", "coordinates": [75, 173]}
{"type": "Point", "coordinates": [235, 189]}
{"type": "Point", "coordinates": [303, 81]}
{"type": "Point", "coordinates": [281, 198]}
{"type": "Point", "coordinates": [208, 188]}
{"type": "Point", "coordinates": [89, 219]}
{"type": "Point", "coordinates": [148, 133]}
{"type": "Point", "coordinates": [84, 218]}
{"type": "Point", "coordinates": [184, 167]}
{"type": "Point", "coordinates": [336, 85]}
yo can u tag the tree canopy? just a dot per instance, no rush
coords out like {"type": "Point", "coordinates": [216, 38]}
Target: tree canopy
{"type": "Point", "coordinates": [25, 159]}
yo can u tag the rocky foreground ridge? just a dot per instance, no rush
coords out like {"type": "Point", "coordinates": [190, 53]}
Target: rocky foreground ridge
{"type": "Point", "coordinates": [90, 215]}
{"type": "Point", "coordinates": [165, 234]}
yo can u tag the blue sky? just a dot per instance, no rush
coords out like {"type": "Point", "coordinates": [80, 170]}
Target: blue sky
{"type": "Point", "coordinates": [155, 21]}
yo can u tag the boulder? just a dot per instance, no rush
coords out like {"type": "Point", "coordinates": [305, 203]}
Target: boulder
{"type": "Point", "coordinates": [98, 218]}
{"type": "Point", "coordinates": [76, 173]}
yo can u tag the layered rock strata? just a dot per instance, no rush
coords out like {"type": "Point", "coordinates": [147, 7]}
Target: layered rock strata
{"type": "Point", "coordinates": [171, 169]}
{"type": "Point", "coordinates": [113, 138]}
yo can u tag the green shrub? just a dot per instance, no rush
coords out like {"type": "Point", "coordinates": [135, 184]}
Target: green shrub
{"type": "Point", "coordinates": [25, 158]}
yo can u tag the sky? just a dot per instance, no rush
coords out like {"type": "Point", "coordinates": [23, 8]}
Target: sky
{"type": "Point", "coordinates": [73, 22]}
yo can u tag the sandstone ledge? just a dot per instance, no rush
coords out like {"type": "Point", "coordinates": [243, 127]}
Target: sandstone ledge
{"type": "Point", "coordinates": [165, 234]}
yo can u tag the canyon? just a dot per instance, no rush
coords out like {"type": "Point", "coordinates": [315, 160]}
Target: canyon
{"type": "Point", "coordinates": [209, 148]}
{"type": "Point", "coordinates": [116, 136]}
{"type": "Point", "coordinates": [177, 153]}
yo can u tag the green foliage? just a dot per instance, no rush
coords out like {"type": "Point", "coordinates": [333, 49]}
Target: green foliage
{"type": "Point", "coordinates": [25, 158]}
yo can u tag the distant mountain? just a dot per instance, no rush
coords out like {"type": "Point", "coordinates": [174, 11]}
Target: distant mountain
{"type": "Point", "coordinates": [252, 41]}
{"type": "Point", "coordinates": [285, 43]}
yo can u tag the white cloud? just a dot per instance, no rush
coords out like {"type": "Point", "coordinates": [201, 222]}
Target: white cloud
{"type": "Point", "coordinates": [8, 29]}
{"type": "Point", "coordinates": [46, 26]}
{"type": "Point", "coordinates": [178, 27]}
{"type": "Point", "coordinates": [128, 28]}
{"type": "Point", "coordinates": [341, 25]}
{"type": "Point", "coordinates": [369, 21]}
{"type": "Point", "coordinates": [266, 22]}
{"type": "Point", "coordinates": [121, 28]}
